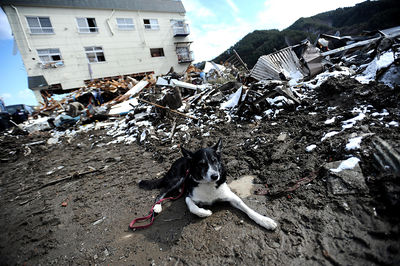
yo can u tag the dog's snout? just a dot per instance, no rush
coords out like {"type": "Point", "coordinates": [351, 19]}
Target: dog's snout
{"type": "Point", "coordinates": [214, 177]}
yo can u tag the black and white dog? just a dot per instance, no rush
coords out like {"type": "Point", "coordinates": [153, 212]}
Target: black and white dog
{"type": "Point", "coordinates": [205, 183]}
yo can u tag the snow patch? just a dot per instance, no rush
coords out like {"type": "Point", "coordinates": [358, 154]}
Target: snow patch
{"type": "Point", "coordinates": [330, 121]}
{"type": "Point", "coordinates": [330, 134]}
{"type": "Point", "coordinates": [354, 143]}
{"type": "Point", "coordinates": [311, 147]}
{"type": "Point", "coordinates": [351, 122]}
{"type": "Point", "coordinates": [369, 74]}
{"type": "Point", "coordinates": [384, 113]}
{"type": "Point", "coordinates": [346, 165]}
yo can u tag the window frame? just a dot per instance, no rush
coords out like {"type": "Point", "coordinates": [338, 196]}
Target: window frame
{"type": "Point", "coordinates": [87, 27]}
{"type": "Point", "coordinates": [151, 26]}
{"type": "Point", "coordinates": [125, 26]}
{"type": "Point", "coordinates": [40, 27]}
{"type": "Point", "coordinates": [153, 51]}
{"type": "Point", "coordinates": [49, 54]}
{"type": "Point", "coordinates": [94, 51]}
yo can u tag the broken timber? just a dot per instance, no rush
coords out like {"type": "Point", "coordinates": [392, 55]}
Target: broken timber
{"type": "Point", "coordinates": [166, 108]}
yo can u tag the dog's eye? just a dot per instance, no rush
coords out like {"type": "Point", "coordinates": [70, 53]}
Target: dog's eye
{"type": "Point", "coordinates": [202, 163]}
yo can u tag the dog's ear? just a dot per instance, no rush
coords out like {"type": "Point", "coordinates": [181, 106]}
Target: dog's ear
{"type": "Point", "coordinates": [218, 147]}
{"type": "Point", "coordinates": [186, 153]}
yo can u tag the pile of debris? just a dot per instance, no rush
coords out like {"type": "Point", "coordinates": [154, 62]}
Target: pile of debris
{"type": "Point", "coordinates": [284, 80]}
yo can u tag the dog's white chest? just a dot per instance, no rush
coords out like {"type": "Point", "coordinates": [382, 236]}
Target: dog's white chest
{"type": "Point", "coordinates": [208, 193]}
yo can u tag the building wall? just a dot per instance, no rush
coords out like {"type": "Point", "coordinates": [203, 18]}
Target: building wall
{"type": "Point", "coordinates": [126, 52]}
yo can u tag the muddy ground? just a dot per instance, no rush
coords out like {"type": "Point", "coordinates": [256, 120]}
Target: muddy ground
{"type": "Point", "coordinates": [84, 220]}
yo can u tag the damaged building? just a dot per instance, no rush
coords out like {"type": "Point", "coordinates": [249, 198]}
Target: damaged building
{"type": "Point", "coordinates": [65, 44]}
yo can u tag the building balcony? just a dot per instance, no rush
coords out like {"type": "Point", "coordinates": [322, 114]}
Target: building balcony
{"type": "Point", "coordinates": [181, 31]}
{"type": "Point", "coordinates": [185, 57]}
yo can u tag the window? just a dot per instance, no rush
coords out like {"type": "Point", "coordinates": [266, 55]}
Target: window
{"type": "Point", "coordinates": [151, 24]}
{"type": "Point", "coordinates": [87, 25]}
{"type": "Point", "coordinates": [156, 52]}
{"type": "Point", "coordinates": [40, 25]}
{"type": "Point", "coordinates": [95, 54]}
{"type": "Point", "coordinates": [49, 55]}
{"type": "Point", "coordinates": [125, 24]}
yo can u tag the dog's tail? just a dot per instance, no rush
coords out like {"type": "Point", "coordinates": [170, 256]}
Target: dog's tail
{"type": "Point", "coordinates": [150, 184]}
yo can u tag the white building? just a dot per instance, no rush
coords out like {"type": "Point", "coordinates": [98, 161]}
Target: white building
{"type": "Point", "coordinates": [64, 43]}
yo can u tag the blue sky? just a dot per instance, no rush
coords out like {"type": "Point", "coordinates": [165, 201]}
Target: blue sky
{"type": "Point", "coordinates": [215, 26]}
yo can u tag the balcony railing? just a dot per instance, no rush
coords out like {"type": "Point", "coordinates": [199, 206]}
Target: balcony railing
{"type": "Point", "coordinates": [185, 57]}
{"type": "Point", "coordinates": [180, 31]}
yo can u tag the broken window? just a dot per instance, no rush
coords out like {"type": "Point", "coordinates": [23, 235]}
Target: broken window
{"type": "Point", "coordinates": [95, 54]}
{"type": "Point", "coordinates": [156, 52]}
{"type": "Point", "coordinates": [125, 24]}
{"type": "Point", "coordinates": [49, 55]}
{"type": "Point", "coordinates": [40, 25]}
{"type": "Point", "coordinates": [151, 24]}
{"type": "Point", "coordinates": [87, 25]}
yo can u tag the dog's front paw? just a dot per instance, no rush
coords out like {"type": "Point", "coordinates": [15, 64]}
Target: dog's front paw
{"type": "Point", "coordinates": [157, 208]}
{"type": "Point", "coordinates": [203, 212]}
{"type": "Point", "coordinates": [267, 223]}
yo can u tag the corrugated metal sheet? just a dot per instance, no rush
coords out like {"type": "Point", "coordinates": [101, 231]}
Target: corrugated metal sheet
{"type": "Point", "coordinates": [284, 61]}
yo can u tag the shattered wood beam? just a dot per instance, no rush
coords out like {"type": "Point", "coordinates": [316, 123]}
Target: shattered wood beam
{"type": "Point", "coordinates": [265, 96]}
{"type": "Point", "coordinates": [73, 176]}
{"type": "Point", "coordinates": [353, 45]}
{"type": "Point", "coordinates": [166, 108]}
{"type": "Point", "coordinates": [288, 94]}
{"type": "Point", "coordinates": [240, 60]}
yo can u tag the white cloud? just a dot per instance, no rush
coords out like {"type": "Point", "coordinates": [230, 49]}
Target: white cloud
{"type": "Point", "coordinates": [233, 6]}
{"type": "Point", "coordinates": [280, 14]}
{"type": "Point", "coordinates": [210, 36]}
{"type": "Point", "coordinates": [215, 39]}
{"type": "Point", "coordinates": [5, 30]}
{"type": "Point", "coordinates": [25, 94]}
{"type": "Point", "coordinates": [6, 96]}
{"type": "Point", "coordinates": [196, 9]}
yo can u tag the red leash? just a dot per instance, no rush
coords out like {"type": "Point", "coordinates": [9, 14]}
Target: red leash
{"type": "Point", "coordinates": [151, 215]}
